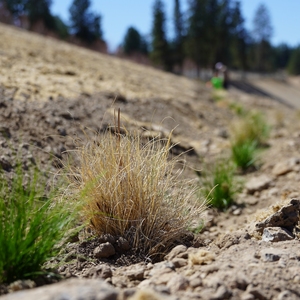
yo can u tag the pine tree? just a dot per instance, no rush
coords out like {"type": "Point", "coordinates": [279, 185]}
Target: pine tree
{"type": "Point", "coordinates": [202, 36]}
{"type": "Point", "coordinates": [40, 10]}
{"type": "Point", "coordinates": [132, 41]}
{"type": "Point", "coordinates": [178, 46]}
{"type": "Point", "coordinates": [239, 36]}
{"type": "Point", "coordinates": [262, 32]}
{"type": "Point", "coordinates": [160, 47]}
{"type": "Point", "coordinates": [294, 62]}
{"type": "Point", "coordinates": [84, 24]}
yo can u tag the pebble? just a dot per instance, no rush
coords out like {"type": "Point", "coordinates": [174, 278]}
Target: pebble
{"type": "Point", "coordinates": [104, 250]}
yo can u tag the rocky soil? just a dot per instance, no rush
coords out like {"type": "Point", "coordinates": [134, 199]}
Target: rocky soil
{"type": "Point", "coordinates": [51, 91]}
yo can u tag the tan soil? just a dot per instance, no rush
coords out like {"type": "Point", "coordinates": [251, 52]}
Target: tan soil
{"type": "Point", "coordinates": [50, 90]}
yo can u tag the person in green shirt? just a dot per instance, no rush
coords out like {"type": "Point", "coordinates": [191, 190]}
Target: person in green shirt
{"type": "Point", "coordinates": [217, 81]}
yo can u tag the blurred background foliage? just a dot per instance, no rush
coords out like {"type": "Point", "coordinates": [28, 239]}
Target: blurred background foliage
{"type": "Point", "coordinates": [209, 31]}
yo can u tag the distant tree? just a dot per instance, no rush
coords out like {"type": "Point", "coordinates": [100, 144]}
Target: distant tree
{"type": "Point", "coordinates": [294, 62]}
{"type": "Point", "coordinates": [160, 54]}
{"type": "Point", "coordinates": [15, 7]}
{"type": "Point", "coordinates": [262, 28]}
{"type": "Point", "coordinates": [60, 27]}
{"type": "Point", "coordinates": [132, 41]}
{"type": "Point", "coordinates": [203, 33]}
{"type": "Point", "coordinates": [36, 10]}
{"type": "Point", "coordinates": [239, 38]}
{"type": "Point", "coordinates": [178, 44]}
{"type": "Point", "coordinates": [262, 32]}
{"type": "Point", "coordinates": [84, 24]}
{"type": "Point", "coordinates": [40, 10]}
{"type": "Point", "coordinates": [282, 56]}
{"type": "Point", "coordinates": [221, 12]}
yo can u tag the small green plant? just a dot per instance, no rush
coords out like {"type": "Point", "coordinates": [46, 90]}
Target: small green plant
{"type": "Point", "coordinates": [237, 108]}
{"type": "Point", "coordinates": [130, 188]}
{"type": "Point", "coordinates": [31, 225]}
{"type": "Point", "coordinates": [251, 127]}
{"type": "Point", "coordinates": [219, 184]}
{"type": "Point", "coordinates": [244, 155]}
{"type": "Point", "coordinates": [248, 134]}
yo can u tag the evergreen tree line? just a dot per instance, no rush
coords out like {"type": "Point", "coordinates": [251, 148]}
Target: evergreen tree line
{"type": "Point", "coordinates": [84, 24]}
{"type": "Point", "coordinates": [208, 32]}
{"type": "Point", "coordinates": [213, 31]}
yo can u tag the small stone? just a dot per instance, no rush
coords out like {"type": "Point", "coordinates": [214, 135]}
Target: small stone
{"type": "Point", "coordinates": [195, 282]}
{"type": "Point", "coordinates": [270, 255]}
{"type": "Point", "coordinates": [276, 234]}
{"type": "Point", "coordinates": [221, 293]}
{"type": "Point", "coordinates": [104, 250]}
{"type": "Point", "coordinates": [136, 273]}
{"type": "Point", "coordinates": [285, 167]}
{"type": "Point", "coordinates": [123, 244]}
{"type": "Point", "coordinates": [237, 212]}
{"type": "Point", "coordinates": [257, 184]}
{"type": "Point", "coordinates": [177, 283]}
{"type": "Point", "coordinates": [179, 262]}
{"type": "Point", "coordinates": [5, 164]}
{"type": "Point", "coordinates": [5, 132]}
{"type": "Point", "coordinates": [287, 295]}
{"type": "Point", "coordinates": [101, 271]}
{"type": "Point", "coordinates": [175, 252]}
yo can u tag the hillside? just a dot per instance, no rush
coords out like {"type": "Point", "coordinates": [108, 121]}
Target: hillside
{"type": "Point", "coordinates": [51, 90]}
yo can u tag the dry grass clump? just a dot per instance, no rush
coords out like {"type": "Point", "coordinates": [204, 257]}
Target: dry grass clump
{"type": "Point", "coordinates": [132, 189]}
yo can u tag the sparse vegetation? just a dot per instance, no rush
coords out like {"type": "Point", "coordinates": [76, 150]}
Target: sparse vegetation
{"type": "Point", "coordinates": [251, 127]}
{"type": "Point", "coordinates": [131, 189]}
{"type": "Point", "coordinates": [237, 108]}
{"type": "Point", "coordinates": [244, 154]}
{"type": "Point", "coordinates": [31, 225]}
{"type": "Point", "coordinates": [247, 135]}
{"type": "Point", "coordinates": [219, 184]}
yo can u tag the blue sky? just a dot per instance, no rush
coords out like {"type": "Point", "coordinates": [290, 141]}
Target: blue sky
{"type": "Point", "coordinates": [118, 15]}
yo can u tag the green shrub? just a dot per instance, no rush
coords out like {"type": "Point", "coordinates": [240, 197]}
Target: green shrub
{"type": "Point", "coordinates": [219, 184]}
{"type": "Point", "coordinates": [244, 154]}
{"type": "Point", "coordinates": [31, 225]}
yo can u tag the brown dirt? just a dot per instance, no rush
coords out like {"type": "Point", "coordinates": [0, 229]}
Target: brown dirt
{"type": "Point", "coordinates": [50, 91]}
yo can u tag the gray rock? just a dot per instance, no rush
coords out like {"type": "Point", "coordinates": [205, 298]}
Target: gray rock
{"type": "Point", "coordinates": [287, 217]}
{"type": "Point", "coordinates": [270, 255]}
{"type": "Point", "coordinates": [72, 289]}
{"type": "Point", "coordinates": [276, 234]}
{"type": "Point", "coordinates": [258, 183]}
{"type": "Point", "coordinates": [104, 250]}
